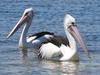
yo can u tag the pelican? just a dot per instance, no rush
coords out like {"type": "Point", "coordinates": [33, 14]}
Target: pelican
{"type": "Point", "coordinates": [47, 44]}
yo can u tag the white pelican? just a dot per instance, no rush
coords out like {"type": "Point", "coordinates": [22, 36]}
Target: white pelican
{"type": "Point", "coordinates": [49, 45]}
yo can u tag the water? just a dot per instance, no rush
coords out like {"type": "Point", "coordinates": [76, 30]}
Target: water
{"type": "Point", "coordinates": [48, 16]}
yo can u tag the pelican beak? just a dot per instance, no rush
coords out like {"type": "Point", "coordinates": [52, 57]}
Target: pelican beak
{"type": "Point", "coordinates": [22, 21]}
{"type": "Point", "coordinates": [75, 33]}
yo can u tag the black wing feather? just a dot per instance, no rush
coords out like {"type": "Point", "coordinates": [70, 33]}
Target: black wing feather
{"type": "Point", "coordinates": [58, 40]}
{"type": "Point", "coordinates": [40, 34]}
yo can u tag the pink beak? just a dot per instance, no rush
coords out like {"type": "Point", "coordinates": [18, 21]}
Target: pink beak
{"type": "Point", "coordinates": [18, 25]}
{"type": "Point", "coordinates": [75, 33]}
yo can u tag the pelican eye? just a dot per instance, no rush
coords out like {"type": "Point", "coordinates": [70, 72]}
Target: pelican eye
{"type": "Point", "coordinates": [73, 23]}
{"type": "Point", "coordinates": [26, 13]}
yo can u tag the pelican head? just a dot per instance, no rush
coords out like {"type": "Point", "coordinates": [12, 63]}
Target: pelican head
{"type": "Point", "coordinates": [70, 25]}
{"type": "Point", "coordinates": [25, 19]}
{"type": "Point", "coordinates": [69, 20]}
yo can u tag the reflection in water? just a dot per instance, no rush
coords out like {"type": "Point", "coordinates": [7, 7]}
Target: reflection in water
{"type": "Point", "coordinates": [60, 68]}
{"type": "Point", "coordinates": [24, 53]}
{"type": "Point", "coordinates": [25, 57]}
{"type": "Point", "coordinates": [32, 65]}
{"type": "Point", "coordinates": [48, 67]}
{"type": "Point", "coordinates": [26, 62]}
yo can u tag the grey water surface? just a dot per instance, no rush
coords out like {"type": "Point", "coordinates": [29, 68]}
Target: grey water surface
{"type": "Point", "coordinates": [48, 16]}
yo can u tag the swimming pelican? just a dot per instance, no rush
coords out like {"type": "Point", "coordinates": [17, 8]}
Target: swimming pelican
{"type": "Point", "coordinates": [49, 45]}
